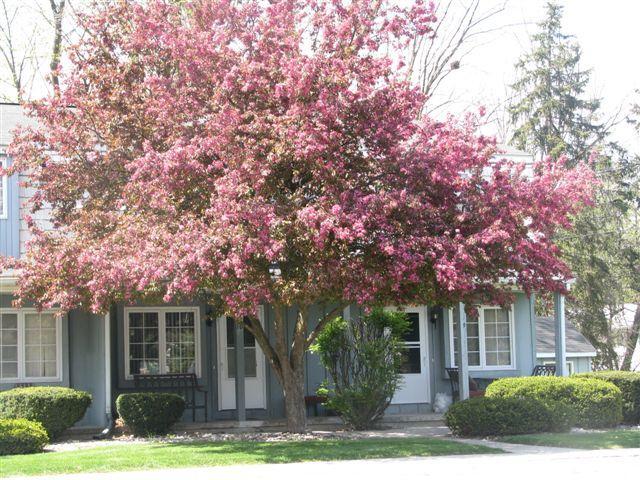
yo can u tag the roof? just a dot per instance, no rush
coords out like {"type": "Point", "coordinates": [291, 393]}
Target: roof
{"type": "Point", "coordinates": [546, 341]}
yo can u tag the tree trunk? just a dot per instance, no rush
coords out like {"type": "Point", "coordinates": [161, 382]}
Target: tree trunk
{"type": "Point", "coordinates": [287, 361]}
{"type": "Point", "coordinates": [295, 409]}
{"type": "Point", "coordinates": [632, 340]}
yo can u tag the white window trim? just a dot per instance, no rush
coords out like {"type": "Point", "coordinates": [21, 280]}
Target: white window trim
{"type": "Point", "coordinates": [483, 359]}
{"type": "Point", "coordinates": [162, 343]}
{"type": "Point", "coordinates": [572, 368]}
{"type": "Point", "coordinates": [22, 378]}
{"type": "Point", "coordinates": [4, 182]}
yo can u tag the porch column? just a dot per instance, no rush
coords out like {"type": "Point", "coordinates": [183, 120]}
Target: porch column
{"type": "Point", "coordinates": [561, 341]}
{"type": "Point", "coordinates": [463, 354]}
{"type": "Point", "coordinates": [239, 357]}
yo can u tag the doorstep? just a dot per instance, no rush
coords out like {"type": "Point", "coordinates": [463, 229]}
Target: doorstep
{"type": "Point", "coordinates": [326, 423]}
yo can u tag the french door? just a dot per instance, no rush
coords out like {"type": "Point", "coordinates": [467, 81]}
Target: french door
{"type": "Point", "coordinates": [254, 364]}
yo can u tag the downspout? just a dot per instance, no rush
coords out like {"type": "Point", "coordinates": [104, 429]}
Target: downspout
{"type": "Point", "coordinates": [107, 380]}
{"type": "Point", "coordinates": [532, 324]}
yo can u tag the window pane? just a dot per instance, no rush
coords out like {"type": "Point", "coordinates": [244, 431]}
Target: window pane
{"type": "Point", "coordinates": [143, 343]}
{"type": "Point", "coordinates": [8, 321]}
{"type": "Point", "coordinates": [9, 354]}
{"type": "Point", "coordinates": [180, 350]}
{"type": "Point", "coordinates": [40, 351]}
{"type": "Point", "coordinates": [231, 363]}
{"type": "Point", "coordinates": [250, 364]}
{"type": "Point", "coordinates": [492, 358]}
{"type": "Point", "coordinates": [32, 354]}
{"type": "Point", "coordinates": [9, 370]}
{"type": "Point", "coordinates": [231, 327]}
{"type": "Point", "coordinates": [504, 358]}
{"type": "Point", "coordinates": [32, 337]}
{"type": "Point", "coordinates": [413, 333]}
{"type": "Point", "coordinates": [8, 345]}
{"type": "Point", "coordinates": [497, 337]}
{"type": "Point", "coordinates": [50, 369]}
{"type": "Point", "coordinates": [34, 369]}
{"type": "Point", "coordinates": [10, 337]}
{"type": "Point", "coordinates": [410, 360]}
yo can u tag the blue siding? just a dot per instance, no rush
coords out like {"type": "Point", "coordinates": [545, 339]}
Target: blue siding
{"type": "Point", "coordinates": [87, 363]}
{"type": "Point", "coordinates": [10, 227]}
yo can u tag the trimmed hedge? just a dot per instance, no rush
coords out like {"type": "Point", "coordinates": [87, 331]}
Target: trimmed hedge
{"type": "Point", "coordinates": [149, 413]}
{"type": "Point", "coordinates": [629, 385]}
{"type": "Point", "coordinates": [496, 416]}
{"type": "Point", "coordinates": [56, 408]}
{"type": "Point", "coordinates": [21, 436]}
{"type": "Point", "coordinates": [593, 403]}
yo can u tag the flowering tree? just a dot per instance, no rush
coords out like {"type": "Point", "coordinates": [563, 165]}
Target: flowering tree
{"type": "Point", "coordinates": [268, 153]}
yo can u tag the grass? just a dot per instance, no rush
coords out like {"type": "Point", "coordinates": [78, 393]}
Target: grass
{"type": "Point", "coordinates": [586, 440]}
{"type": "Point", "coordinates": [148, 456]}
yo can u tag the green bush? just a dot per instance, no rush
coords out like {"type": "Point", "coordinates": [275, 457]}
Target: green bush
{"type": "Point", "coordinates": [363, 357]}
{"type": "Point", "coordinates": [496, 416]}
{"type": "Point", "coordinates": [148, 413]}
{"type": "Point", "coordinates": [629, 385]}
{"type": "Point", "coordinates": [21, 436]}
{"type": "Point", "coordinates": [593, 403]}
{"type": "Point", "coordinates": [56, 408]}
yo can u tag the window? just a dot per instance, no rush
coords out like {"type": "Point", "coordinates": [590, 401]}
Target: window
{"type": "Point", "coordinates": [30, 346]}
{"type": "Point", "coordinates": [411, 354]}
{"type": "Point", "coordinates": [4, 197]}
{"type": "Point", "coordinates": [250, 359]}
{"type": "Point", "coordinates": [162, 340]}
{"type": "Point", "coordinates": [490, 339]}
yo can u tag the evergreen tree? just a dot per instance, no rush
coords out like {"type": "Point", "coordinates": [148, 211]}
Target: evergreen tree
{"type": "Point", "coordinates": [551, 113]}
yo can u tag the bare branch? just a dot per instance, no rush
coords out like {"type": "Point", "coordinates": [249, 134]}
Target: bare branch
{"type": "Point", "coordinates": [434, 57]}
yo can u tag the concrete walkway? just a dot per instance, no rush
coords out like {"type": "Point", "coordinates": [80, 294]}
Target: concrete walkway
{"type": "Point", "coordinates": [573, 465]}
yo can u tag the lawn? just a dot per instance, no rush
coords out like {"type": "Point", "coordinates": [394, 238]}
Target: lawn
{"type": "Point", "coordinates": [587, 440]}
{"type": "Point", "coordinates": [149, 456]}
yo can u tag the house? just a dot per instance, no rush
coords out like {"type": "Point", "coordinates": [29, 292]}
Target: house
{"type": "Point", "coordinates": [580, 353]}
{"type": "Point", "coordinates": [102, 353]}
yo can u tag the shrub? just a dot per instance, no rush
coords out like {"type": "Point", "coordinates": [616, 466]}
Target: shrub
{"type": "Point", "coordinates": [629, 385]}
{"type": "Point", "coordinates": [363, 357]}
{"type": "Point", "coordinates": [593, 403]}
{"type": "Point", "coordinates": [21, 436]}
{"type": "Point", "coordinates": [148, 413]}
{"type": "Point", "coordinates": [56, 408]}
{"type": "Point", "coordinates": [495, 416]}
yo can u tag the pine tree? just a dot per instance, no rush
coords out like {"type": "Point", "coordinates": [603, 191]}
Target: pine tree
{"type": "Point", "coordinates": [551, 113]}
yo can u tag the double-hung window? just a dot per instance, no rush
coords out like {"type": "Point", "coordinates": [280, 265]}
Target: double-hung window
{"type": "Point", "coordinates": [490, 339]}
{"type": "Point", "coordinates": [30, 346]}
{"type": "Point", "coordinates": [162, 340]}
{"type": "Point", "coordinates": [4, 195]}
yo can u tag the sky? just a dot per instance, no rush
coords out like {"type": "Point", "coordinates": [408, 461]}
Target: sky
{"type": "Point", "coordinates": [608, 33]}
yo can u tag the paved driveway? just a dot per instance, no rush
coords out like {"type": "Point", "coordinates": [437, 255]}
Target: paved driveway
{"type": "Point", "coordinates": [548, 465]}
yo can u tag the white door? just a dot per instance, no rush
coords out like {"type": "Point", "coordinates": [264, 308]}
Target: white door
{"type": "Point", "coordinates": [254, 364]}
{"type": "Point", "coordinates": [415, 374]}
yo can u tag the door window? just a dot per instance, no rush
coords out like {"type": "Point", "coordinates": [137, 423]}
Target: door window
{"type": "Point", "coordinates": [250, 361]}
{"type": "Point", "coordinates": [411, 355]}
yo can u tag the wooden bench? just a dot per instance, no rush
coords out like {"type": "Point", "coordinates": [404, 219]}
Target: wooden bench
{"type": "Point", "coordinates": [184, 384]}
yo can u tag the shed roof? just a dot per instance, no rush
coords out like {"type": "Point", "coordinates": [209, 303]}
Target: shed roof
{"type": "Point", "coordinates": [546, 340]}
